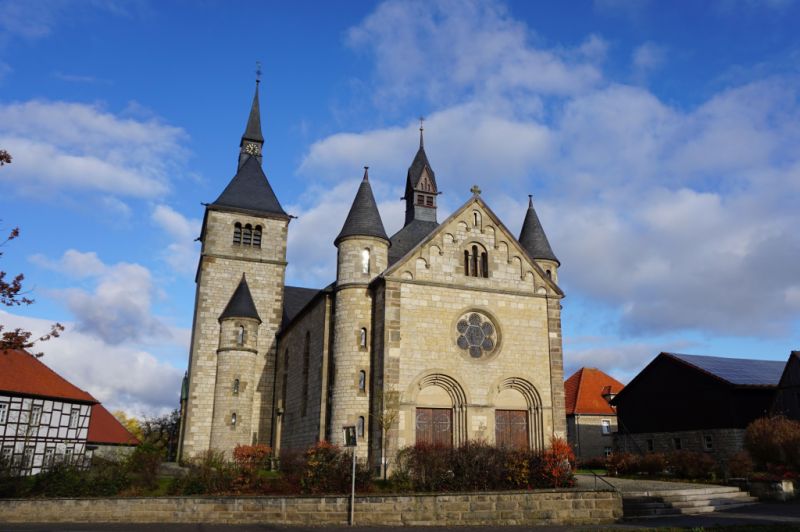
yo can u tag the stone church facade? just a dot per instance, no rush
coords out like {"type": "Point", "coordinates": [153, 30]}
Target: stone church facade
{"type": "Point", "coordinates": [442, 333]}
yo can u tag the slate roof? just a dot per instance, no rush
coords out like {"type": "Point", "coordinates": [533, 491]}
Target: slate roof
{"type": "Point", "coordinates": [737, 371]}
{"type": "Point", "coordinates": [409, 236]}
{"type": "Point", "coordinates": [363, 218]}
{"type": "Point", "coordinates": [24, 374]}
{"type": "Point", "coordinates": [104, 428]}
{"type": "Point", "coordinates": [532, 236]}
{"type": "Point", "coordinates": [584, 392]}
{"type": "Point", "coordinates": [295, 299]}
{"type": "Point", "coordinates": [417, 166]}
{"type": "Point", "coordinates": [241, 304]}
{"type": "Point", "coordinates": [253, 129]}
{"type": "Point", "coordinates": [249, 190]}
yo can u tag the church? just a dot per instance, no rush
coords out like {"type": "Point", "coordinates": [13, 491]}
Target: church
{"type": "Point", "coordinates": [444, 332]}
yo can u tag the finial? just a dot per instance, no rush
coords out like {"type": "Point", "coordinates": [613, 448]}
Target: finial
{"type": "Point", "coordinates": [421, 129]}
{"type": "Point", "coordinates": [530, 200]}
{"type": "Point", "coordinates": [475, 190]}
{"type": "Point", "coordinates": [258, 71]}
{"type": "Point", "coordinates": [366, 173]}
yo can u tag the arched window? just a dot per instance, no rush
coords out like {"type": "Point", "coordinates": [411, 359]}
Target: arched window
{"type": "Point", "coordinates": [237, 233]}
{"type": "Point", "coordinates": [474, 262]}
{"type": "Point", "coordinates": [475, 217]}
{"type": "Point", "coordinates": [235, 386]}
{"type": "Point", "coordinates": [362, 381]}
{"type": "Point", "coordinates": [247, 235]}
{"type": "Point", "coordinates": [257, 236]}
{"type": "Point", "coordinates": [240, 335]}
{"type": "Point", "coordinates": [362, 341]}
{"type": "Point", "coordinates": [233, 419]}
{"type": "Point", "coordinates": [466, 262]}
{"type": "Point", "coordinates": [484, 265]}
{"type": "Point", "coordinates": [364, 261]}
{"type": "Point", "coordinates": [360, 427]}
{"type": "Point", "coordinates": [549, 274]}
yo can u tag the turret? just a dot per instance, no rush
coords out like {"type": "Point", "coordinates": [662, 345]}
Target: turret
{"type": "Point", "coordinates": [236, 354]}
{"type": "Point", "coordinates": [362, 255]}
{"type": "Point", "coordinates": [535, 243]}
{"type": "Point", "coordinates": [362, 243]}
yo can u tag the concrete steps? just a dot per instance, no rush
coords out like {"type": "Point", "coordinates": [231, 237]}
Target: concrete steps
{"type": "Point", "coordinates": [683, 501]}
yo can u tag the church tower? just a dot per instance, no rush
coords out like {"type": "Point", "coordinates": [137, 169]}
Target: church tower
{"type": "Point", "coordinates": [238, 308]}
{"type": "Point", "coordinates": [362, 254]}
{"type": "Point", "coordinates": [421, 190]}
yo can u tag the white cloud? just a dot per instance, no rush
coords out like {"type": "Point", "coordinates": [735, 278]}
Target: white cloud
{"type": "Point", "coordinates": [120, 376]}
{"type": "Point", "coordinates": [117, 309]}
{"type": "Point", "coordinates": [181, 253]}
{"type": "Point", "coordinates": [677, 219]}
{"type": "Point", "coordinates": [646, 58]}
{"type": "Point", "coordinates": [74, 148]}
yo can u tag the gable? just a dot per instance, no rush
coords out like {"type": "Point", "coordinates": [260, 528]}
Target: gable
{"type": "Point", "coordinates": [440, 257]}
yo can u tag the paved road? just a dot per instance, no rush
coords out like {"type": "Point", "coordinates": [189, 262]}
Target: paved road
{"type": "Point", "coordinates": [786, 514]}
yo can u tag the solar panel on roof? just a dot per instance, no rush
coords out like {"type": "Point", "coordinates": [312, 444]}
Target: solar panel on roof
{"type": "Point", "coordinates": [742, 371]}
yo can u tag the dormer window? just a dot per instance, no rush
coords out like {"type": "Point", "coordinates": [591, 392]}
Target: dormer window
{"type": "Point", "coordinates": [420, 199]}
{"type": "Point", "coordinates": [429, 201]}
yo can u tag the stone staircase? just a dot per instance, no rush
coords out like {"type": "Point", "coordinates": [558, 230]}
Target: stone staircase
{"type": "Point", "coordinates": [652, 503]}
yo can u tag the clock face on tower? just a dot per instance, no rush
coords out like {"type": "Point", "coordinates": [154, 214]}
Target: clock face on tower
{"type": "Point", "coordinates": [251, 148]}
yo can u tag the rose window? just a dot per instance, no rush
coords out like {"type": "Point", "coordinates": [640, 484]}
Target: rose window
{"type": "Point", "coordinates": [476, 334]}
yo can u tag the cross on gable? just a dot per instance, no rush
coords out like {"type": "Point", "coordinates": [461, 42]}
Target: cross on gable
{"type": "Point", "coordinates": [475, 190]}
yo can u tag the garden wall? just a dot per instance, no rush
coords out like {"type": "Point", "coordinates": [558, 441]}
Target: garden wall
{"type": "Point", "coordinates": [508, 508]}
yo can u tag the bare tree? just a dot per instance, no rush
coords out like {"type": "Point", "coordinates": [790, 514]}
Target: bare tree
{"type": "Point", "coordinates": [388, 402]}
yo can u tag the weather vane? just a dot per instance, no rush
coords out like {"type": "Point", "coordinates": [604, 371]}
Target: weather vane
{"type": "Point", "coordinates": [258, 71]}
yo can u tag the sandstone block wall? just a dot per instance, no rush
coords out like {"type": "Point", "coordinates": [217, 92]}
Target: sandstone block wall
{"type": "Point", "coordinates": [497, 509]}
{"type": "Point", "coordinates": [221, 266]}
{"type": "Point", "coordinates": [724, 442]}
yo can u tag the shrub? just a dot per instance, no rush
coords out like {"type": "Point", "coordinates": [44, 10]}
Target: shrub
{"type": "Point", "coordinates": [740, 465]}
{"type": "Point", "coordinates": [208, 474]}
{"type": "Point", "coordinates": [652, 463]}
{"type": "Point", "coordinates": [252, 457]}
{"type": "Point", "coordinates": [691, 464]}
{"type": "Point", "coordinates": [556, 468]}
{"type": "Point", "coordinates": [597, 462]}
{"type": "Point", "coordinates": [774, 441]}
{"type": "Point", "coordinates": [328, 469]}
{"type": "Point", "coordinates": [622, 464]}
{"type": "Point", "coordinates": [143, 465]}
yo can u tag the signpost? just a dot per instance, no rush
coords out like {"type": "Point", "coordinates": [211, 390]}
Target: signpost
{"type": "Point", "coordinates": [350, 440]}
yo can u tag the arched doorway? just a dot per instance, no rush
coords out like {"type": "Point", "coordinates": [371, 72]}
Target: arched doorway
{"type": "Point", "coordinates": [518, 415]}
{"type": "Point", "coordinates": [440, 413]}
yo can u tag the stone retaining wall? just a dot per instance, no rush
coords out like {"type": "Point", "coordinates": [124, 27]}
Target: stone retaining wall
{"type": "Point", "coordinates": [509, 508]}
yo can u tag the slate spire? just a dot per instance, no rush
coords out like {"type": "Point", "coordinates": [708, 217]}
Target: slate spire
{"type": "Point", "coordinates": [363, 218]}
{"type": "Point", "coordinates": [532, 236]}
{"type": "Point", "coordinates": [249, 190]}
{"type": "Point", "coordinates": [252, 140]}
{"type": "Point", "coordinates": [241, 304]}
{"type": "Point", "coordinates": [421, 189]}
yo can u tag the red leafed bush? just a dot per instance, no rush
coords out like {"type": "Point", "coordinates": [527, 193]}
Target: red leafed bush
{"type": "Point", "coordinates": [740, 465]}
{"type": "Point", "coordinates": [652, 463]}
{"type": "Point", "coordinates": [328, 469]}
{"type": "Point", "coordinates": [622, 464]}
{"type": "Point", "coordinates": [252, 457]}
{"type": "Point", "coordinates": [557, 464]}
{"type": "Point", "coordinates": [774, 442]}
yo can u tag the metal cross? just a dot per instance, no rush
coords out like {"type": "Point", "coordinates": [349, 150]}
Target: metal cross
{"type": "Point", "coordinates": [421, 121]}
{"type": "Point", "coordinates": [475, 190]}
{"type": "Point", "coordinates": [258, 71]}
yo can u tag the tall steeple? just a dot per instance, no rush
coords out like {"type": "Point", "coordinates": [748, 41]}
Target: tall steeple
{"type": "Point", "coordinates": [533, 239]}
{"type": "Point", "coordinates": [252, 139]}
{"type": "Point", "coordinates": [421, 190]}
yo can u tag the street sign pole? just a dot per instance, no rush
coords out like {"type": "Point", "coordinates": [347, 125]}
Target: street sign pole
{"type": "Point", "coordinates": [351, 440]}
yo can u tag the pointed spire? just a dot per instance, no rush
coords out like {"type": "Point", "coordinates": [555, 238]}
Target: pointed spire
{"type": "Point", "coordinates": [532, 236]}
{"type": "Point", "coordinates": [421, 129]}
{"type": "Point", "coordinates": [250, 191]}
{"type": "Point", "coordinates": [252, 131]}
{"type": "Point", "coordinates": [241, 303]}
{"type": "Point", "coordinates": [363, 218]}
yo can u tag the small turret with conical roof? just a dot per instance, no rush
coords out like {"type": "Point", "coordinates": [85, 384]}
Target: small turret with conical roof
{"type": "Point", "coordinates": [535, 242]}
{"type": "Point", "coordinates": [363, 244]}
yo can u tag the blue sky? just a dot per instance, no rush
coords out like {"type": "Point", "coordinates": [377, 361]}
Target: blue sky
{"type": "Point", "coordinates": [659, 140]}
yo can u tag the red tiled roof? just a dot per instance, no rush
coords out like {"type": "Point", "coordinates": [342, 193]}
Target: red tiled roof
{"type": "Point", "coordinates": [105, 428]}
{"type": "Point", "coordinates": [22, 373]}
{"type": "Point", "coordinates": [584, 392]}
